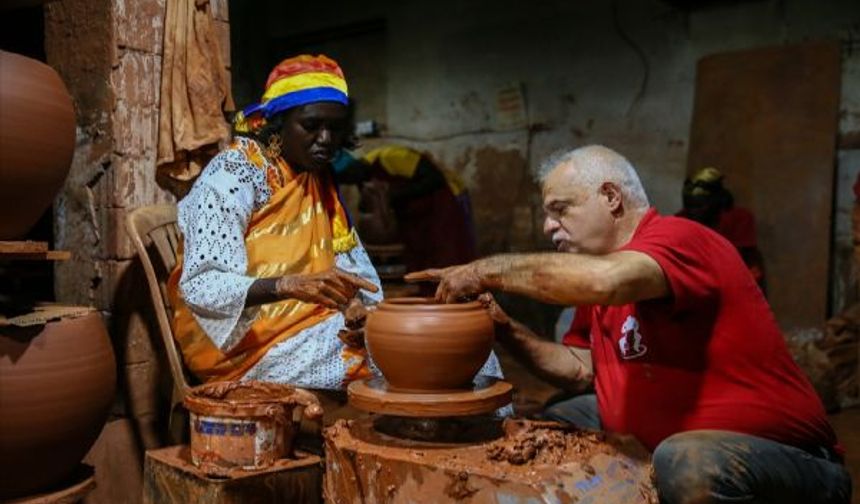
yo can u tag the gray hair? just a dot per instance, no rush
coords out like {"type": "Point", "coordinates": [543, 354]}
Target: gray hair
{"type": "Point", "coordinates": [596, 164]}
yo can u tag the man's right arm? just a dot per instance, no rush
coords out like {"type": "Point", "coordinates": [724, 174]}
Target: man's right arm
{"type": "Point", "coordinates": [566, 367]}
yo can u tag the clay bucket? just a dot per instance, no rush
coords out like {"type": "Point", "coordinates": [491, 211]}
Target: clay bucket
{"type": "Point", "coordinates": [422, 346]}
{"type": "Point", "coordinates": [245, 425]}
{"type": "Point", "coordinates": [37, 140]}
{"type": "Point", "coordinates": [57, 384]}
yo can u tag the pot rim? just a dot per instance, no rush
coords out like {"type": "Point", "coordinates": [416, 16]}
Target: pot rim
{"type": "Point", "coordinates": [425, 304]}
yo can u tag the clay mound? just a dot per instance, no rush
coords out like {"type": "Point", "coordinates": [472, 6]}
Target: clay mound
{"type": "Point", "coordinates": [547, 443]}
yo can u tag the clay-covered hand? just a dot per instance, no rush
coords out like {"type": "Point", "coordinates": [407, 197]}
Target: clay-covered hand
{"type": "Point", "coordinates": [333, 288]}
{"type": "Point", "coordinates": [494, 310]}
{"type": "Point", "coordinates": [355, 314]}
{"type": "Point", "coordinates": [456, 283]}
{"type": "Point", "coordinates": [353, 338]}
{"type": "Point", "coordinates": [354, 317]}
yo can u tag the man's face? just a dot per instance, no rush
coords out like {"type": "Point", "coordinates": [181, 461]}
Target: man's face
{"type": "Point", "coordinates": [313, 134]}
{"type": "Point", "coordinates": [577, 220]}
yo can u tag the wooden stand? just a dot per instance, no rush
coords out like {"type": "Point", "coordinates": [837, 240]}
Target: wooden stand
{"type": "Point", "coordinates": [364, 466]}
{"type": "Point", "coordinates": [170, 478]}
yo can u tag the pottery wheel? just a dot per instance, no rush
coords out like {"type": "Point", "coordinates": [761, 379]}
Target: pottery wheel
{"type": "Point", "coordinates": [376, 396]}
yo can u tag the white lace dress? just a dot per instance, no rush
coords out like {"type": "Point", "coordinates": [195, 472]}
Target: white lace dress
{"type": "Point", "coordinates": [213, 218]}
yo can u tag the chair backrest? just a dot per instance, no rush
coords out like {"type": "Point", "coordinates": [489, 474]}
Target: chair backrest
{"type": "Point", "coordinates": [155, 234]}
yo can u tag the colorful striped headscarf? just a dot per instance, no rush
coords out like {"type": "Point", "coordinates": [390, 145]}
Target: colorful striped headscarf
{"type": "Point", "coordinates": [294, 82]}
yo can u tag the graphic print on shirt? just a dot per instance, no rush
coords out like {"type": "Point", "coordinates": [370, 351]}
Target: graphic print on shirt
{"type": "Point", "coordinates": [630, 343]}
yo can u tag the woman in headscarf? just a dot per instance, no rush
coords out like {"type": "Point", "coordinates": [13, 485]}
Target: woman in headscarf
{"type": "Point", "coordinates": [429, 204]}
{"type": "Point", "coordinates": [272, 269]}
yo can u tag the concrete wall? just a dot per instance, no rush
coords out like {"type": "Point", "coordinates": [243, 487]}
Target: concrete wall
{"type": "Point", "coordinates": [618, 73]}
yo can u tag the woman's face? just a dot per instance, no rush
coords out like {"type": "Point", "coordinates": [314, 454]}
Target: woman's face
{"type": "Point", "coordinates": [313, 134]}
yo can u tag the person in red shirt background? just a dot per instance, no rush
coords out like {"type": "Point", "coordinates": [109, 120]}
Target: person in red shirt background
{"type": "Point", "coordinates": [680, 344]}
{"type": "Point", "coordinates": [708, 202]}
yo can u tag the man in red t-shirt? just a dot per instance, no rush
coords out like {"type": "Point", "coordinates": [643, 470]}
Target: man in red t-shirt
{"type": "Point", "coordinates": [682, 348]}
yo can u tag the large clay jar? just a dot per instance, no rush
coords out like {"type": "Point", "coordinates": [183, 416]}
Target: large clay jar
{"type": "Point", "coordinates": [37, 140]}
{"type": "Point", "coordinates": [57, 384]}
{"type": "Point", "coordinates": [423, 346]}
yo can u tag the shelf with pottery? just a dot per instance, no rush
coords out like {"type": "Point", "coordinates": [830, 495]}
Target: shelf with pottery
{"type": "Point", "coordinates": [58, 381]}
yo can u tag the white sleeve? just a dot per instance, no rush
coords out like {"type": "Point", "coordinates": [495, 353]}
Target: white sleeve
{"type": "Point", "coordinates": [213, 219]}
{"type": "Point", "coordinates": [358, 263]}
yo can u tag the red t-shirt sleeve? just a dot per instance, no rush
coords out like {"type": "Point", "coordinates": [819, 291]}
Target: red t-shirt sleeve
{"type": "Point", "coordinates": [687, 254]}
{"type": "Point", "coordinates": [579, 334]}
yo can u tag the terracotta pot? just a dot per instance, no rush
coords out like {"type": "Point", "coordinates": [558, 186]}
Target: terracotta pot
{"type": "Point", "coordinates": [57, 384]}
{"type": "Point", "coordinates": [245, 425]}
{"type": "Point", "coordinates": [37, 140]}
{"type": "Point", "coordinates": [420, 345]}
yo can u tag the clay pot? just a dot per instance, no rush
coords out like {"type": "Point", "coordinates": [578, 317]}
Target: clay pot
{"type": "Point", "coordinates": [420, 345]}
{"type": "Point", "coordinates": [57, 384]}
{"type": "Point", "coordinates": [37, 140]}
{"type": "Point", "coordinates": [245, 425]}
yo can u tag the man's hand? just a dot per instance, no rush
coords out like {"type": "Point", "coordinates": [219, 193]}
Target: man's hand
{"type": "Point", "coordinates": [456, 283]}
{"type": "Point", "coordinates": [494, 310]}
{"type": "Point", "coordinates": [333, 288]}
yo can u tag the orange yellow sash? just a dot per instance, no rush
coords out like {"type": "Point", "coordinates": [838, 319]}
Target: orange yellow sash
{"type": "Point", "coordinates": [298, 231]}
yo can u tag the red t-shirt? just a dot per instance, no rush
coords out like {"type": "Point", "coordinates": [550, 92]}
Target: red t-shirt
{"type": "Point", "coordinates": [710, 356]}
{"type": "Point", "coordinates": [738, 226]}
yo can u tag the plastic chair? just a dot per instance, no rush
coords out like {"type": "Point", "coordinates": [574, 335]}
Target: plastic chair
{"type": "Point", "coordinates": [155, 234]}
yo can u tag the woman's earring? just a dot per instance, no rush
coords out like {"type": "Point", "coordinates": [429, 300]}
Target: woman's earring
{"type": "Point", "coordinates": [273, 149]}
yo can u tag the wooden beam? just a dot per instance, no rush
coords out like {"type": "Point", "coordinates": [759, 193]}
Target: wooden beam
{"type": "Point", "coordinates": [31, 251]}
{"type": "Point", "coordinates": [21, 247]}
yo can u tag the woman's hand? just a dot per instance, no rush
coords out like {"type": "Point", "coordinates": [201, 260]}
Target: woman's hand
{"type": "Point", "coordinates": [355, 315]}
{"type": "Point", "coordinates": [333, 288]}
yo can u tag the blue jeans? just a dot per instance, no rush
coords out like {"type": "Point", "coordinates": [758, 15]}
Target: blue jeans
{"type": "Point", "coordinates": [709, 466]}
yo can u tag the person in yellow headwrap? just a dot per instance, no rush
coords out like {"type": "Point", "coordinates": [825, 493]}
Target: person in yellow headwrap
{"type": "Point", "coordinates": [708, 202]}
{"type": "Point", "coordinates": [430, 204]}
{"type": "Point", "coordinates": [272, 271]}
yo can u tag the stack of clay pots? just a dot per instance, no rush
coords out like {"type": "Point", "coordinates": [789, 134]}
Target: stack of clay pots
{"type": "Point", "coordinates": [57, 376]}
